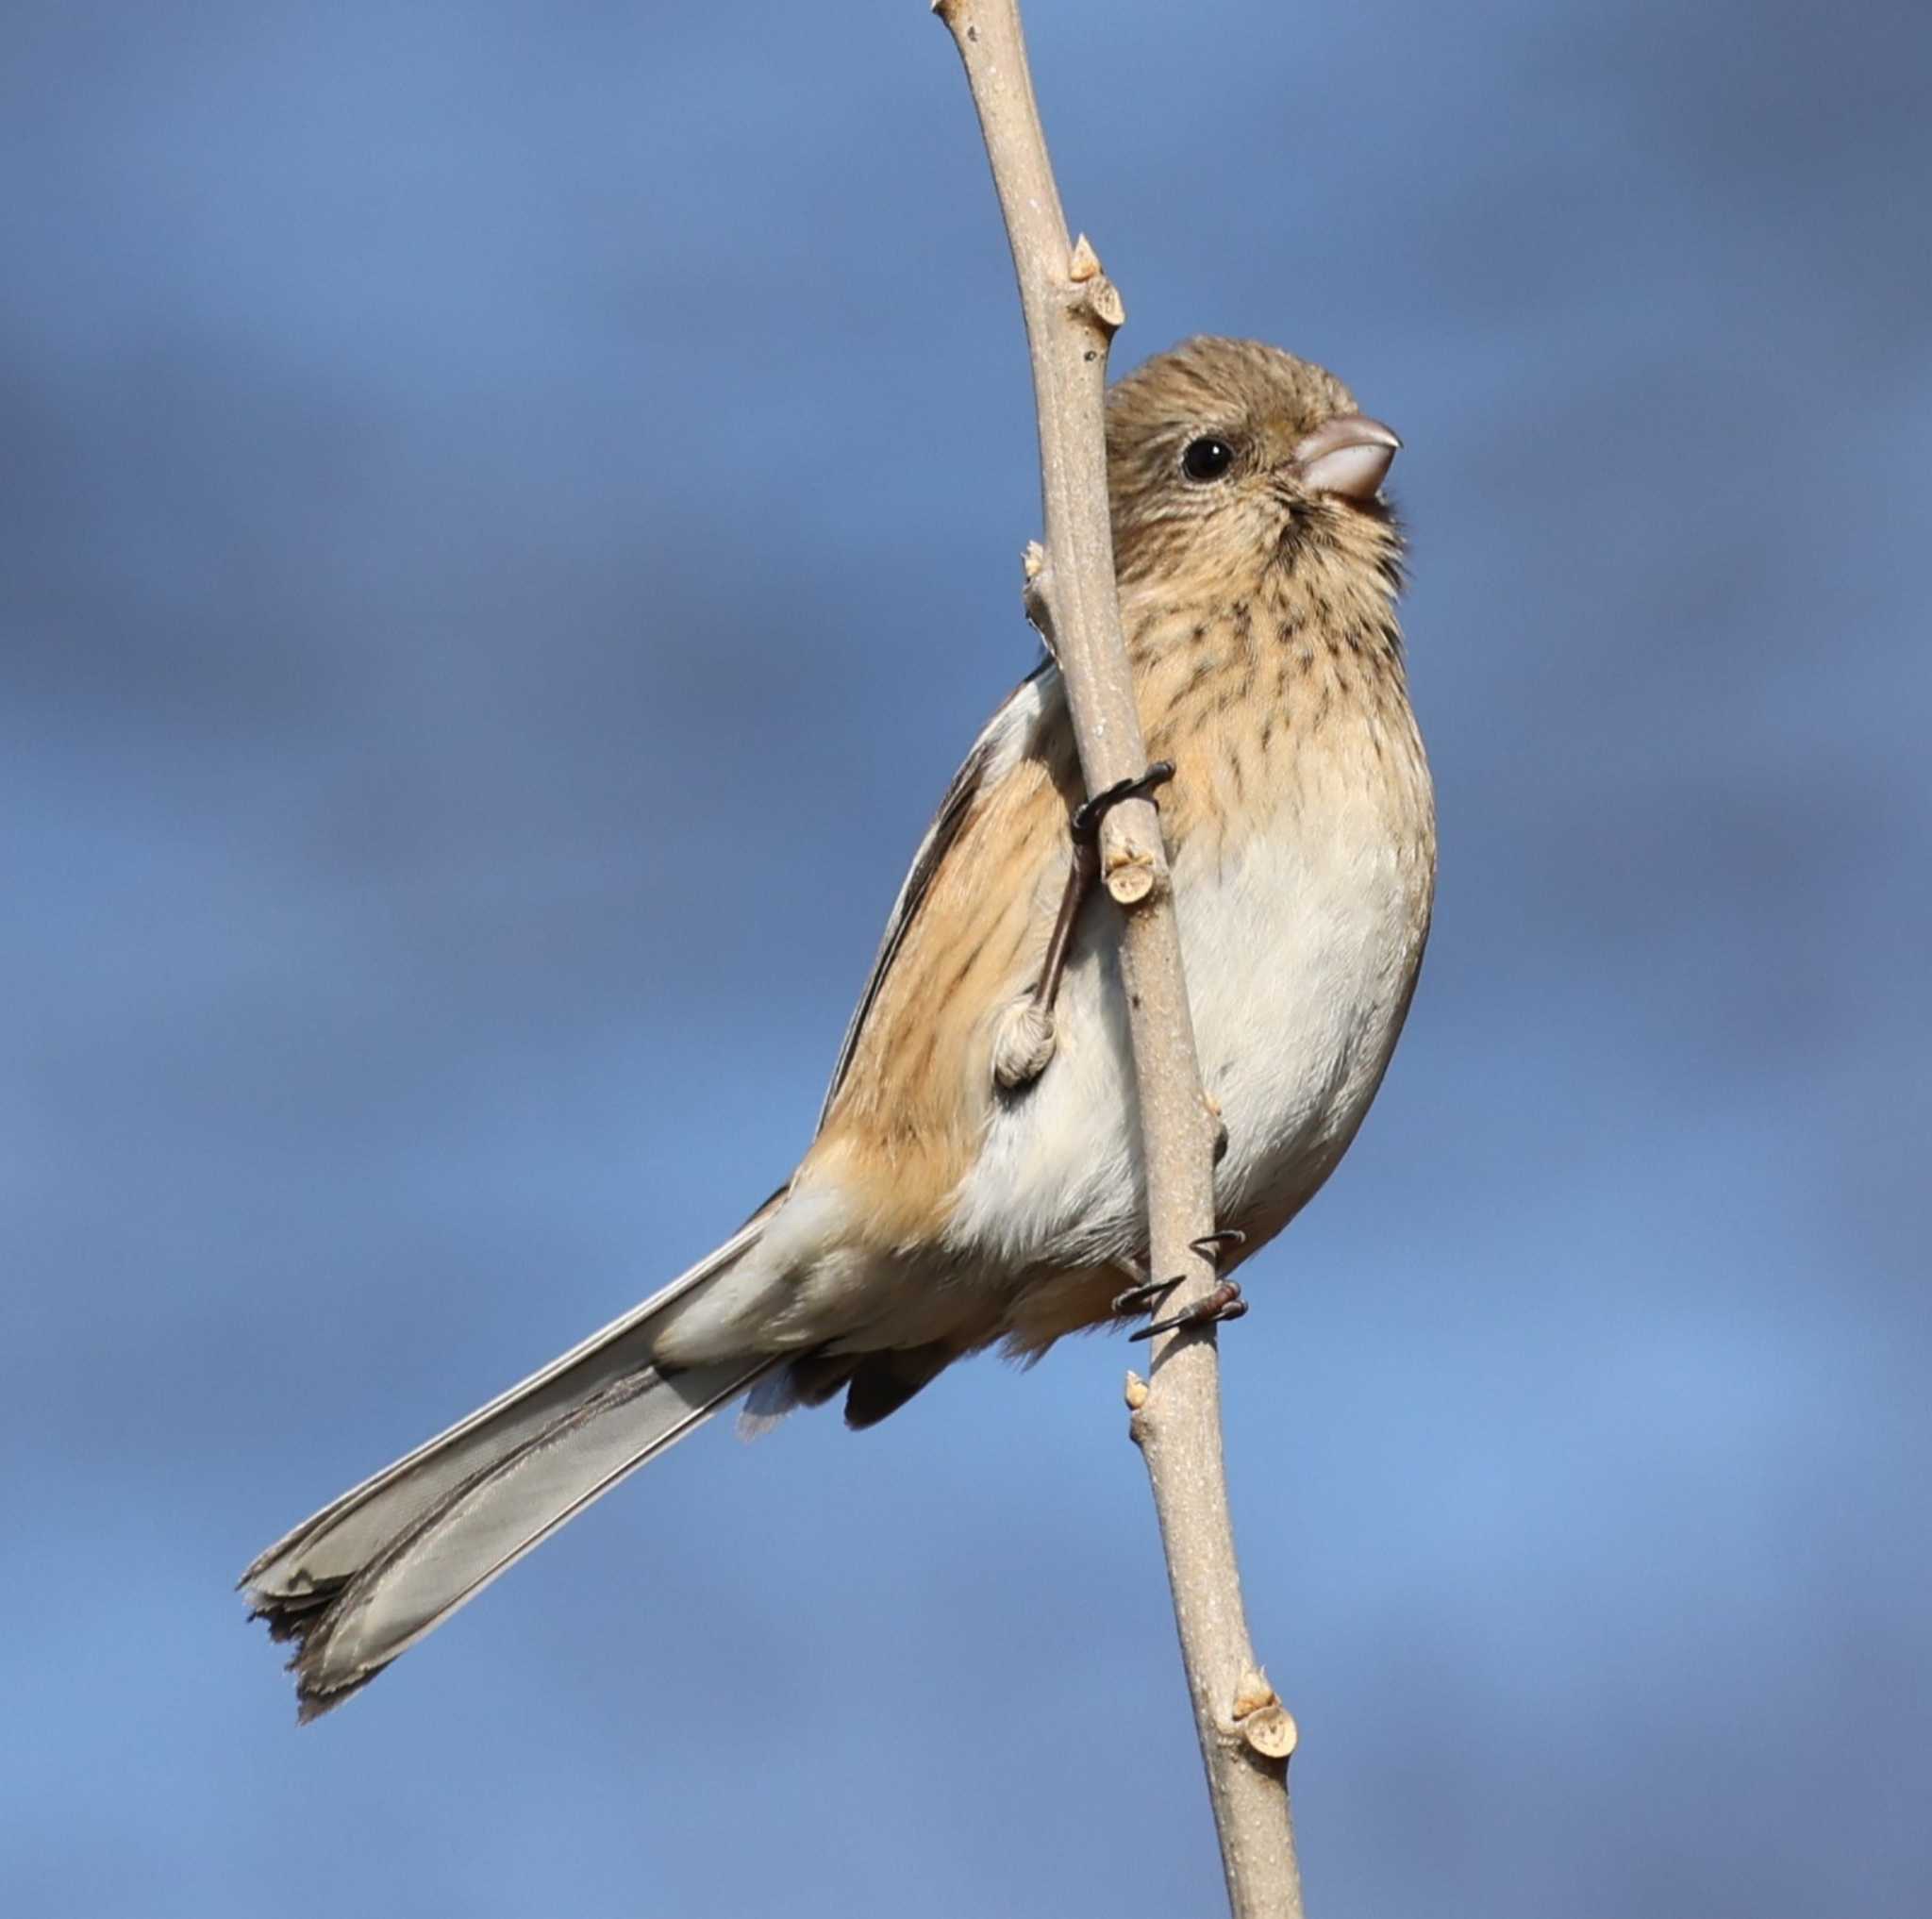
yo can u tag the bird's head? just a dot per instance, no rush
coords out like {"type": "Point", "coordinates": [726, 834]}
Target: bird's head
{"type": "Point", "coordinates": [1224, 454]}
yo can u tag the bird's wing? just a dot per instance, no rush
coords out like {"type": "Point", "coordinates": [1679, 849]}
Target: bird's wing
{"type": "Point", "coordinates": [1013, 731]}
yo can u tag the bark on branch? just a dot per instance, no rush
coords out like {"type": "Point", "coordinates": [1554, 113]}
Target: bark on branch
{"type": "Point", "coordinates": [1072, 311]}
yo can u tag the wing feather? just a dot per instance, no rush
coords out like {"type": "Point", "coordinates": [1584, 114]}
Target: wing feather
{"type": "Point", "coordinates": [1001, 742]}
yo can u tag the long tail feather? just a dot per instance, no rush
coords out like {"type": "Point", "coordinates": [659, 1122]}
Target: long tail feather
{"type": "Point", "coordinates": [371, 1573]}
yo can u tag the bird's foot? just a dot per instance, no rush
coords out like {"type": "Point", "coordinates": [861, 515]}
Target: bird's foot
{"type": "Point", "coordinates": [1088, 813]}
{"type": "Point", "coordinates": [1225, 1302]}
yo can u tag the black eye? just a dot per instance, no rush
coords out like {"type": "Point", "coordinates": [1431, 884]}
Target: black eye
{"type": "Point", "coordinates": [1206, 459]}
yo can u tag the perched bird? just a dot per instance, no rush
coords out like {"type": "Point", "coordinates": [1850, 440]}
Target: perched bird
{"type": "Point", "coordinates": [960, 1194]}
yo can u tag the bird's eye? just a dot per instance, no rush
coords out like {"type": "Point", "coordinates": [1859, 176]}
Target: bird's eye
{"type": "Point", "coordinates": [1206, 459]}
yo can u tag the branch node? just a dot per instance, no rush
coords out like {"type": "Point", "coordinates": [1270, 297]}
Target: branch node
{"type": "Point", "coordinates": [1102, 300]}
{"type": "Point", "coordinates": [1035, 595]}
{"type": "Point", "coordinates": [1098, 297]}
{"type": "Point", "coordinates": [1127, 863]}
{"type": "Point", "coordinates": [1254, 1693]}
{"type": "Point", "coordinates": [1263, 1721]}
{"type": "Point", "coordinates": [1270, 1731]}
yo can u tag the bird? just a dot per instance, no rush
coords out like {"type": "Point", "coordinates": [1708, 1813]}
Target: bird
{"type": "Point", "coordinates": [976, 1179]}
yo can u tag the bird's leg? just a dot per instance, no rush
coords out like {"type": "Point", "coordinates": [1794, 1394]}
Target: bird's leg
{"type": "Point", "coordinates": [1085, 870]}
{"type": "Point", "coordinates": [1080, 878]}
{"type": "Point", "coordinates": [1024, 1044]}
{"type": "Point", "coordinates": [1223, 1302]}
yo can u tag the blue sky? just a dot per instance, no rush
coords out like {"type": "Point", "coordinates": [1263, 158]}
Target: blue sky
{"type": "Point", "coordinates": [510, 516]}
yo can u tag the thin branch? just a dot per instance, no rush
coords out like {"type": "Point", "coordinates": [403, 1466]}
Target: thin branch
{"type": "Point", "coordinates": [1072, 313]}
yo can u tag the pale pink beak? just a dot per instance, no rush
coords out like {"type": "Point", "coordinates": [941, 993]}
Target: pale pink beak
{"type": "Point", "coordinates": [1349, 455]}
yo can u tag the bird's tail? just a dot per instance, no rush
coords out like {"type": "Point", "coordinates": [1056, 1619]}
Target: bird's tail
{"type": "Point", "coordinates": [369, 1576]}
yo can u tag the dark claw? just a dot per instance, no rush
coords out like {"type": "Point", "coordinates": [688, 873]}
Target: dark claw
{"type": "Point", "coordinates": [1150, 1292]}
{"type": "Point", "coordinates": [1211, 1245]}
{"type": "Point", "coordinates": [1139, 1298]}
{"type": "Point", "coordinates": [1225, 1302]}
{"type": "Point", "coordinates": [1088, 813]}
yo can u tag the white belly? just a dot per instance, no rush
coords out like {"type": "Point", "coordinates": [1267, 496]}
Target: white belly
{"type": "Point", "coordinates": [1299, 963]}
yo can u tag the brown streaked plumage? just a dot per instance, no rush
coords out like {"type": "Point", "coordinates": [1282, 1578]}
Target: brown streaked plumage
{"type": "Point", "coordinates": [940, 1211]}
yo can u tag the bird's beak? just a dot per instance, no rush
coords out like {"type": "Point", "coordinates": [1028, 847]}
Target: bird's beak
{"type": "Point", "coordinates": [1349, 455]}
